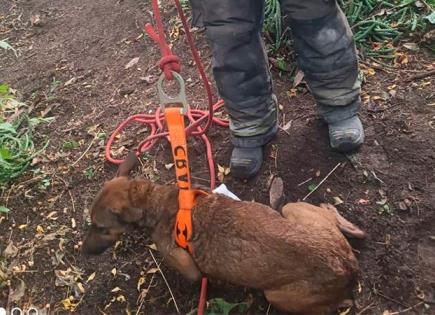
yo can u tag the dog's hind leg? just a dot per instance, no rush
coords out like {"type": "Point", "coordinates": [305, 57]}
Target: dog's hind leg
{"type": "Point", "coordinates": [305, 213]}
{"type": "Point", "coordinates": [345, 226]}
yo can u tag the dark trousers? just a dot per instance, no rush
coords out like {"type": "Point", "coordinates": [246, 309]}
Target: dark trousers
{"type": "Point", "coordinates": [325, 50]}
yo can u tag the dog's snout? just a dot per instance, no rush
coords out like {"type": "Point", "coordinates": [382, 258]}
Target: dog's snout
{"type": "Point", "coordinates": [96, 242]}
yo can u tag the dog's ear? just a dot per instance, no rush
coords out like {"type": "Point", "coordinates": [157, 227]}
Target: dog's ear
{"type": "Point", "coordinates": [132, 212]}
{"type": "Point", "coordinates": [129, 164]}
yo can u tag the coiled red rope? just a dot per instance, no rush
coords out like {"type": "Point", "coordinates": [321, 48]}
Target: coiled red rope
{"type": "Point", "coordinates": [155, 123]}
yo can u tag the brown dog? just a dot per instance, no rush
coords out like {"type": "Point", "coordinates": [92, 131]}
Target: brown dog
{"type": "Point", "coordinates": [300, 259]}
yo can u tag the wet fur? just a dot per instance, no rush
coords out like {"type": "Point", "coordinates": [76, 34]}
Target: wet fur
{"type": "Point", "coordinates": [300, 259]}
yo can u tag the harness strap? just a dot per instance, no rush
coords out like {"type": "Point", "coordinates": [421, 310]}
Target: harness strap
{"type": "Point", "coordinates": [186, 196]}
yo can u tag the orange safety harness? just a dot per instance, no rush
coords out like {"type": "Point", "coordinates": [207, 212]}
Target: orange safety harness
{"type": "Point", "coordinates": [186, 197]}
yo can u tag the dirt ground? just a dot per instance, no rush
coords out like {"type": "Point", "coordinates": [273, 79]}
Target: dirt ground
{"type": "Point", "coordinates": [72, 66]}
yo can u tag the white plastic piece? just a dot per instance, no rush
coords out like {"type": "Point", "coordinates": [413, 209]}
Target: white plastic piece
{"type": "Point", "coordinates": [223, 190]}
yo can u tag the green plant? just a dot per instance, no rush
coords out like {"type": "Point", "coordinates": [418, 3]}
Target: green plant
{"type": "Point", "coordinates": [70, 145]}
{"type": "Point", "coordinates": [219, 306]}
{"type": "Point", "coordinates": [377, 24]}
{"type": "Point", "coordinates": [89, 172]}
{"type": "Point", "coordinates": [16, 143]}
{"type": "Point", "coordinates": [45, 180]}
{"type": "Point", "coordinates": [54, 84]}
{"type": "Point", "coordinates": [384, 207]}
{"type": "Point", "coordinates": [4, 209]}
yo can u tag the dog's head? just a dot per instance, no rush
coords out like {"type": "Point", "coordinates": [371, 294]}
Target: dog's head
{"type": "Point", "coordinates": [115, 209]}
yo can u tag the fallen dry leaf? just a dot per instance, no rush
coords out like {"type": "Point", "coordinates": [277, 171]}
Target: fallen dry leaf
{"type": "Point", "coordinates": [298, 78]}
{"type": "Point", "coordinates": [69, 305]}
{"type": "Point", "coordinates": [132, 62]}
{"type": "Point", "coordinates": [10, 251]}
{"type": "Point", "coordinates": [346, 311]}
{"type": "Point", "coordinates": [222, 172]}
{"type": "Point", "coordinates": [152, 246]}
{"type": "Point", "coordinates": [40, 230]}
{"type": "Point", "coordinates": [169, 166]}
{"type": "Point", "coordinates": [121, 299]}
{"type": "Point", "coordinates": [140, 282]}
{"type": "Point", "coordinates": [152, 270]}
{"type": "Point", "coordinates": [81, 287]}
{"type": "Point", "coordinates": [287, 126]}
{"type": "Point", "coordinates": [114, 290]}
{"type": "Point", "coordinates": [113, 272]}
{"type": "Point", "coordinates": [363, 202]}
{"type": "Point", "coordinates": [18, 293]}
{"type": "Point", "coordinates": [337, 201]}
{"type": "Point", "coordinates": [91, 277]}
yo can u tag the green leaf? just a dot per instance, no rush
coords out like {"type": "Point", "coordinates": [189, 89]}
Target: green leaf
{"type": "Point", "coordinates": [219, 306]}
{"type": "Point", "coordinates": [3, 209]}
{"type": "Point", "coordinates": [311, 187]}
{"type": "Point", "coordinates": [4, 88]}
{"type": "Point", "coordinates": [4, 153]}
{"type": "Point", "coordinates": [431, 17]}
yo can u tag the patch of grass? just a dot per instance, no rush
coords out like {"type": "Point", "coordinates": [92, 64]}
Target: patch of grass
{"type": "Point", "coordinates": [16, 139]}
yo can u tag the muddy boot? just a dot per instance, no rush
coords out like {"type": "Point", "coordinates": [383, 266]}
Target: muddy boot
{"type": "Point", "coordinates": [246, 162]}
{"type": "Point", "coordinates": [346, 135]}
{"type": "Point", "coordinates": [247, 155]}
{"type": "Point", "coordinates": [327, 56]}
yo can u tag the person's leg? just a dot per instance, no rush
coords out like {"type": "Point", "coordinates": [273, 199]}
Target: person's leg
{"type": "Point", "coordinates": [242, 75]}
{"type": "Point", "coordinates": [327, 56]}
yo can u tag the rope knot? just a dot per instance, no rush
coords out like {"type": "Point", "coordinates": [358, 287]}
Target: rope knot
{"type": "Point", "coordinates": [169, 63]}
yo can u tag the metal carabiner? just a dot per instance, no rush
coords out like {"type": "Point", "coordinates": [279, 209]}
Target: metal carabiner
{"type": "Point", "coordinates": [165, 99]}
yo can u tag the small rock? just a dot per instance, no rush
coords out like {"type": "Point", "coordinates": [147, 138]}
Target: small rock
{"type": "Point", "coordinates": [276, 193]}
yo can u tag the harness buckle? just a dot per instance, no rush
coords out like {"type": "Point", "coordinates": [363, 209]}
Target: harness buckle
{"type": "Point", "coordinates": [166, 99]}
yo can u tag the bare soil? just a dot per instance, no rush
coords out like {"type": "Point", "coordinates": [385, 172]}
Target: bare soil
{"type": "Point", "coordinates": [72, 67]}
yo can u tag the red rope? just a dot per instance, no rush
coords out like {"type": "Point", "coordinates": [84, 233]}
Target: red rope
{"type": "Point", "coordinates": [168, 63]}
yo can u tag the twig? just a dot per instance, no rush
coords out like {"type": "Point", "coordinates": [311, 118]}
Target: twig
{"type": "Point", "coordinates": [305, 181]}
{"type": "Point", "coordinates": [390, 299]}
{"type": "Point", "coordinates": [69, 192]}
{"type": "Point", "coordinates": [407, 309]}
{"type": "Point", "coordinates": [322, 181]}
{"type": "Point", "coordinates": [365, 309]}
{"type": "Point", "coordinates": [199, 178]}
{"type": "Point", "coordinates": [146, 292]}
{"type": "Point", "coordinates": [268, 309]}
{"type": "Point", "coordinates": [420, 76]}
{"type": "Point", "coordinates": [84, 153]}
{"type": "Point", "coordinates": [166, 282]}
{"type": "Point", "coordinates": [377, 178]}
